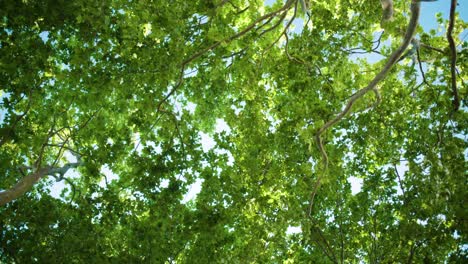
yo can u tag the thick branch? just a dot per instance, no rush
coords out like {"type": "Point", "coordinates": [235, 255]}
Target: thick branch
{"type": "Point", "coordinates": [453, 54]}
{"type": "Point", "coordinates": [415, 8]}
{"type": "Point", "coordinates": [410, 31]}
{"type": "Point", "coordinates": [26, 183]}
{"type": "Point", "coordinates": [387, 8]}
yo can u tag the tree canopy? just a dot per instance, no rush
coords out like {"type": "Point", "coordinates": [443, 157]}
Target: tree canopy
{"type": "Point", "coordinates": [317, 132]}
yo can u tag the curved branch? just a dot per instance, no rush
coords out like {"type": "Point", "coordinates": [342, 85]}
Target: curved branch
{"type": "Point", "coordinates": [410, 31]}
{"type": "Point", "coordinates": [423, 75]}
{"type": "Point", "coordinates": [453, 54]}
{"type": "Point", "coordinates": [387, 10]}
{"type": "Point", "coordinates": [415, 8]}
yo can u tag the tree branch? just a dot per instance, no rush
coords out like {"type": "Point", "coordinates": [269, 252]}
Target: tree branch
{"type": "Point", "coordinates": [285, 30]}
{"type": "Point", "coordinates": [216, 44]}
{"type": "Point", "coordinates": [399, 180]}
{"type": "Point", "coordinates": [410, 31]}
{"type": "Point", "coordinates": [423, 75]}
{"type": "Point", "coordinates": [362, 50]}
{"type": "Point", "coordinates": [431, 48]}
{"type": "Point", "coordinates": [27, 182]}
{"type": "Point", "coordinates": [326, 248]}
{"type": "Point", "coordinates": [453, 54]}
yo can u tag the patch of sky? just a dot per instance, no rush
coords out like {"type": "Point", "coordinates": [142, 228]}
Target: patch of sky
{"type": "Point", "coordinates": [97, 218]}
{"type": "Point", "coordinates": [193, 190]}
{"type": "Point", "coordinates": [65, 67]}
{"type": "Point", "coordinates": [272, 120]}
{"type": "Point", "coordinates": [127, 194]}
{"type": "Point", "coordinates": [207, 141]}
{"type": "Point", "coordinates": [57, 188]}
{"type": "Point", "coordinates": [230, 161]}
{"type": "Point", "coordinates": [190, 107]}
{"type": "Point", "coordinates": [190, 72]}
{"type": "Point", "coordinates": [442, 218]}
{"type": "Point", "coordinates": [330, 216]}
{"type": "Point", "coordinates": [269, 2]}
{"type": "Point", "coordinates": [429, 9]}
{"type": "Point", "coordinates": [356, 184]}
{"type": "Point", "coordinates": [3, 96]}
{"type": "Point", "coordinates": [108, 176]}
{"type": "Point", "coordinates": [202, 19]}
{"type": "Point", "coordinates": [138, 147]}
{"type": "Point", "coordinates": [340, 135]}
{"type": "Point", "coordinates": [178, 105]}
{"type": "Point", "coordinates": [227, 201]}
{"type": "Point", "coordinates": [313, 163]}
{"type": "Point", "coordinates": [293, 230]}
{"type": "Point", "coordinates": [371, 57]}
{"type": "Point", "coordinates": [421, 222]}
{"type": "Point", "coordinates": [401, 170]}
{"type": "Point", "coordinates": [222, 126]}
{"type": "Point", "coordinates": [147, 29]}
{"type": "Point", "coordinates": [350, 156]}
{"type": "Point", "coordinates": [92, 60]}
{"type": "Point", "coordinates": [204, 164]}
{"type": "Point", "coordinates": [44, 35]}
{"type": "Point", "coordinates": [164, 183]}
{"type": "Point", "coordinates": [238, 109]}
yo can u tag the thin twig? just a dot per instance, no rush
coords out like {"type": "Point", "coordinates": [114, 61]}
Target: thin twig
{"type": "Point", "coordinates": [421, 68]}
{"type": "Point", "coordinates": [285, 30]}
{"type": "Point", "coordinates": [399, 180]}
{"type": "Point", "coordinates": [277, 24]}
{"type": "Point", "coordinates": [373, 49]}
{"type": "Point", "coordinates": [340, 203]}
{"type": "Point", "coordinates": [431, 48]}
{"type": "Point", "coordinates": [215, 45]}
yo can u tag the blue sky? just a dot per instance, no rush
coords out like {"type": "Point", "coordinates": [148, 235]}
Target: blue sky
{"type": "Point", "coordinates": [429, 9]}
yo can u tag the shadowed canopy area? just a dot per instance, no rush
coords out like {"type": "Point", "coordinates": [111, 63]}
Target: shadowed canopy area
{"type": "Point", "coordinates": [232, 131]}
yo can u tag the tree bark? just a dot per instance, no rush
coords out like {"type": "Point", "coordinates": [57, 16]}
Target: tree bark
{"type": "Point", "coordinates": [22, 186]}
{"type": "Point", "coordinates": [26, 183]}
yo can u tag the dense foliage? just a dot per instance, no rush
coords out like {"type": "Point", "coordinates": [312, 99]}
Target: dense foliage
{"type": "Point", "coordinates": [113, 99]}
